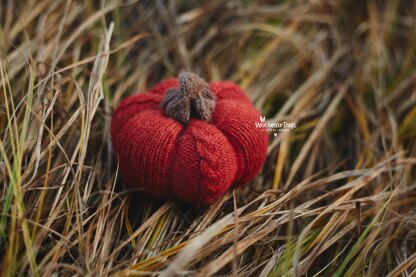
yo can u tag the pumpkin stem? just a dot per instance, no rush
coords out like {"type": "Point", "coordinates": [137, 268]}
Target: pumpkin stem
{"type": "Point", "coordinates": [192, 99]}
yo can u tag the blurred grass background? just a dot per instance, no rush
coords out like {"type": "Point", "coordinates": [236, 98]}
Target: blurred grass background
{"type": "Point", "coordinates": [336, 196]}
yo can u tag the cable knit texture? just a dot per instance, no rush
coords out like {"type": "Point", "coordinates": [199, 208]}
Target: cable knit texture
{"type": "Point", "coordinates": [196, 160]}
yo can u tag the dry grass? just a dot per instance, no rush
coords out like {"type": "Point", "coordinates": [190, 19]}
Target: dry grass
{"type": "Point", "coordinates": [336, 196]}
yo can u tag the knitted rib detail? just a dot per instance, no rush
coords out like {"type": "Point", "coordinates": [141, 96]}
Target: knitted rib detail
{"type": "Point", "coordinates": [209, 163]}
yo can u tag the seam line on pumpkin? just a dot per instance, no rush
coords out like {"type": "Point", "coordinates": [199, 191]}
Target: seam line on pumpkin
{"type": "Point", "coordinates": [172, 164]}
{"type": "Point", "coordinates": [168, 189]}
{"type": "Point", "coordinates": [234, 151]}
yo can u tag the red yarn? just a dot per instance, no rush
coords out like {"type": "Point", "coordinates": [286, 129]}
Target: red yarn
{"type": "Point", "coordinates": [197, 162]}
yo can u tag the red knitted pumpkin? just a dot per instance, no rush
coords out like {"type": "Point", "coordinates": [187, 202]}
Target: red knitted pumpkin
{"type": "Point", "coordinates": [188, 139]}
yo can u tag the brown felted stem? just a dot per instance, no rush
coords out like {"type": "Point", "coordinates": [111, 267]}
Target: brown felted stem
{"type": "Point", "coordinates": [192, 99]}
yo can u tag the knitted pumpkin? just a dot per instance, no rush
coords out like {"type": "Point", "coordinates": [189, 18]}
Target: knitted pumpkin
{"type": "Point", "coordinates": [188, 139]}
